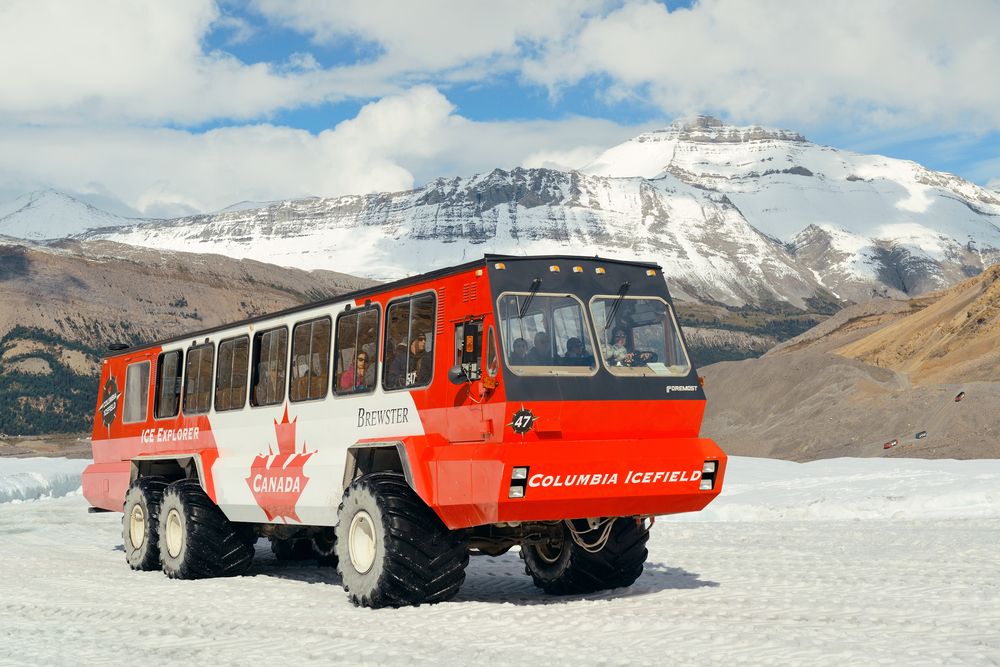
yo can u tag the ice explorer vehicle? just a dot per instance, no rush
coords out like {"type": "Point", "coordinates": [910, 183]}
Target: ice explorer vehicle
{"type": "Point", "coordinates": [547, 403]}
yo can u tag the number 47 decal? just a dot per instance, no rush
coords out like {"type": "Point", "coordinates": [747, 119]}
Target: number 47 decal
{"type": "Point", "coordinates": [522, 421]}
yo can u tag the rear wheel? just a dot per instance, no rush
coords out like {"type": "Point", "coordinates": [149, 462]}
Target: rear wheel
{"type": "Point", "coordinates": [291, 549]}
{"type": "Point", "coordinates": [140, 523]}
{"type": "Point", "coordinates": [393, 550]}
{"type": "Point", "coordinates": [324, 547]}
{"type": "Point", "coordinates": [196, 538]}
{"type": "Point", "coordinates": [563, 567]}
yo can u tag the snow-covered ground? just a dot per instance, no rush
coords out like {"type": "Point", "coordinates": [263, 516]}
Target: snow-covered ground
{"type": "Point", "coordinates": [845, 561]}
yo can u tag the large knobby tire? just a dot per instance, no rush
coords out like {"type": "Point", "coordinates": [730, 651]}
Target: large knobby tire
{"type": "Point", "coordinates": [393, 551]}
{"type": "Point", "coordinates": [567, 569]}
{"type": "Point", "coordinates": [324, 547]}
{"type": "Point", "coordinates": [141, 523]}
{"type": "Point", "coordinates": [196, 538]}
{"type": "Point", "coordinates": [291, 549]}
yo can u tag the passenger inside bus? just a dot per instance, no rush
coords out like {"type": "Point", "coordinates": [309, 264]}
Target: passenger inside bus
{"type": "Point", "coordinates": [358, 376]}
{"type": "Point", "coordinates": [576, 353]}
{"type": "Point", "coordinates": [413, 368]}
{"type": "Point", "coordinates": [519, 352]}
{"type": "Point", "coordinates": [541, 353]}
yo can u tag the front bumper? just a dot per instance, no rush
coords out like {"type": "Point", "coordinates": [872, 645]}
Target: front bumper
{"type": "Point", "coordinates": [470, 485]}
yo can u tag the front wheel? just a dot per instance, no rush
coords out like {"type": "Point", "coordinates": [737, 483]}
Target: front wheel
{"type": "Point", "coordinates": [196, 538]}
{"type": "Point", "coordinates": [563, 567]}
{"type": "Point", "coordinates": [392, 549]}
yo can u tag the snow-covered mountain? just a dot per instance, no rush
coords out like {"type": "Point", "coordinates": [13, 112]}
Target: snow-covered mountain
{"type": "Point", "coordinates": [862, 222]}
{"type": "Point", "coordinates": [702, 241]}
{"type": "Point", "coordinates": [49, 214]}
{"type": "Point", "coordinates": [734, 215]}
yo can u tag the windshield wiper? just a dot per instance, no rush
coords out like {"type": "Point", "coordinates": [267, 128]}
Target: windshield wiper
{"type": "Point", "coordinates": [614, 308]}
{"type": "Point", "coordinates": [535, 284]}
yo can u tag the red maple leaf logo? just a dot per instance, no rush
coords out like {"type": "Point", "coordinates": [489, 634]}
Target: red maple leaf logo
{"type": "Point", "coordinates": [277, 480]}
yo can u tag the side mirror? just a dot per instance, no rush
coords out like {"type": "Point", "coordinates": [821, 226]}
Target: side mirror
{"type": "Point", "coordinates": [457, 375]}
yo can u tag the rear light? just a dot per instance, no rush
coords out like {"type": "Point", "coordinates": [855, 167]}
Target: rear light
{"type": "Point", "coordinates": [708, 468]}
{"type": "Point", "coordinates": [516, 492]}
{"type": "Point", "coordinates": [706, 484]}
{"type": "Point", "coordinates": [519, 473]}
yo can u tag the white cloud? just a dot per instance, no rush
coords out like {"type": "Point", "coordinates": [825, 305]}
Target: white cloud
{"type": "Point", "coordinates": [132, 60]}
{"type": "Point", "coordinates": [885, 63]}
{"type": "Point", "coordinates": [994, 184]}
{"type": "Point", "coordinates": [392, 144]}
{"type": "Point", "coordinates": [434, 35]}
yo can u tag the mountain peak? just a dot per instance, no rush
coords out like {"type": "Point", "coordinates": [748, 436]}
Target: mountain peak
{"type": "Point", "coordinates": [49, 214]}
{"type": "Point", "coordinates": [709, 129]}
{"type": "Point", "coordinates": [653, 153]}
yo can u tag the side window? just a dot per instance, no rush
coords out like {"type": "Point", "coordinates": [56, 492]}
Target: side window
{"type": "Point", "coordinates": [310, 360]}
{"type": "Point", "coordinates": [357, 351]}
{"type": "Point", "coordinates": [231, 374]}
{"type": "Point", "coordinates": [136, 393]}
{"type": "Point", "coordinates": [492, 360]}
{"type": "Point", "coordinates": [270, 349]}
{"type": "Point", "coordinates": [198, 380]}
{"type": "Point", "coordinates": [409, 342]}
{"type": "Point", "coordinates": [168, 385]}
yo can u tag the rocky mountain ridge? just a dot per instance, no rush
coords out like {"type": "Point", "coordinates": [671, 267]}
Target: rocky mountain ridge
{"type": "Point", "coordinates": [735, 215]}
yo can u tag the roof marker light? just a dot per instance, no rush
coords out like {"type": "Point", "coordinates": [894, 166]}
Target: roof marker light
{"type": "Point", "coordinates": [599, 270]}
{"type": "Point", "coordinates": [479, 272]}
{"type": "Point", "coordinates": [650, 272]}
{"type": "Point", "coordinates": [577, 269]}
{"type": "Point", "coordinates": [554, 268]}
{"type": "Point", "coordinates": [499, 266]}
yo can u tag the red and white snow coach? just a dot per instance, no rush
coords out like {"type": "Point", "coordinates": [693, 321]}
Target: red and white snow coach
{"type": "Point", "coordinates": [541, 402]}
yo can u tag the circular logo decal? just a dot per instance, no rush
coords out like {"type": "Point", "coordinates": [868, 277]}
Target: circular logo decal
{"type": "Point", "coordinates": [109, 401]}
{"type": "Point", "coordinates": [522, 421]}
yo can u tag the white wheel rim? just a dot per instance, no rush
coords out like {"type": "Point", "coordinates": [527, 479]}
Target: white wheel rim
{"type": "Point", "coordinates": [174, 533]}
{"type": "Point", "coordinates": [137, 526]}
{"type": "Point", "coordinates": [361, 542]}
{"type": "Point", "coordinates": [549, 553]}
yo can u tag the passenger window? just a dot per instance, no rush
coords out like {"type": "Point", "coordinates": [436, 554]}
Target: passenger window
{"type": "Point", "coordinates": [270, 349]}
{"type": "Point", "coordinates": [168, 385]}
{"type": "Point", "coordinates": [198, 387]}
{"type": "Point", "coordinates": [136, 393]}
{"type": "Point", "coordinates": [310, 360]}
{"type": "Point", "coordinates": [409, 342]}
{"type": "Point", "coordinates": [231, 374]}
{"type": "Point", "coordinates": [357, 351]}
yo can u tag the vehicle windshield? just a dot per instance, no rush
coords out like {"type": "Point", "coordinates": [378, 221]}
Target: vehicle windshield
{"type": "Point", "coordinates": [545, 334]}
{"type": "Point", "coordinates": [638, 336]}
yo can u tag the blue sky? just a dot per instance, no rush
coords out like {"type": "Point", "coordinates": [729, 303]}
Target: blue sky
{"type": "Point", "coordinates": [168, 108]}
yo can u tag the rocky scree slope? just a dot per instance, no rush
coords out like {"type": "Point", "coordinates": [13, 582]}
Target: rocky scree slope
{"type": "Point", "coordinates": [62, 303]}
{"type": "Point", "coordinates": [874, 373]}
